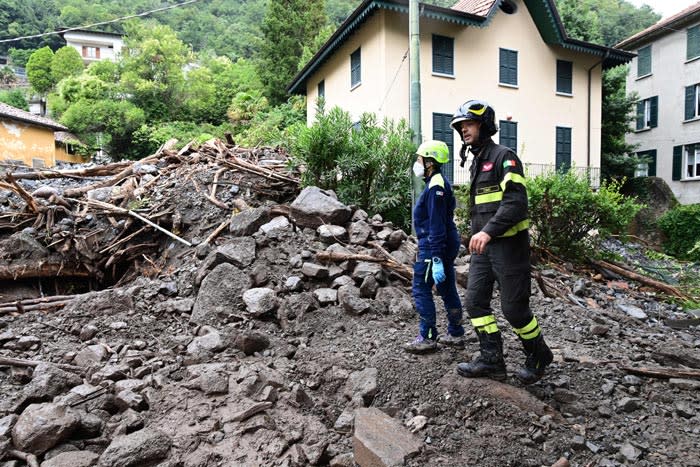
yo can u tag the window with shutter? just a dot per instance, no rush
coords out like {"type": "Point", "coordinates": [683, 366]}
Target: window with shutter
{"type": "Point", "coordinates": [647, 113]}
{"type": "Point", "coordinates": [692, 161]}
{"type": "Point", "coordinates": [693, 46]}
{"type": "Point", "coordinates": [442, 131]}
{"type": "Point", "coordinates": [508, 67]}
{"type": "Point", "coordinates": [647, 166]}
{"type": "Point", "coordinates": [322, 89]}
{"type": "Point", "coordinates": [692, 101]}
{"type": "Point", "coordinates": [644, 61]}
{"type": "Point", "coordinates": [355, 69]}
{"type": "Point", "coordinates": [508, 134]}
{"type": "Point", "coordinates": [677, 163]}
{"type": "Point", "coordinates": [564, 76]}
{"type": "Point", "coordinates": [443, 55]}
{"type": "Point", "coordinates": [563, 149]}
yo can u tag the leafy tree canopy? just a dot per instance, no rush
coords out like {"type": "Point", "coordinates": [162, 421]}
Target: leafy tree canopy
{"type": "Point", "coordinates": [39, 70]}
{"type": "Point", "coordinates": [66, 62]}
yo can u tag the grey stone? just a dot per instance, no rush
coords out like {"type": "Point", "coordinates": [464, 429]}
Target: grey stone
{"type": "Point", "coordinates": [6, 424]}
{"type": "Point", "coordinates": [359, 232]}
{"type": "Point", "coordinates": [341, 281]}
{"type": "Point", "coordinates": [220, 295]}
{"type": "Point", "coordinates": [250, 342]}
{"type": "Point", "coordinates": [249, 221]}
{"type": "Point", "coordinates": [23, 245]}
{"type": "Point", "coordinates": [344, 422]}
{"type": "Point", "coordinates": [332, 233]}
{"type": "Point", "coordinates": [139, 448]}
{"type": "Point", "coordinates": [326, 296]}
{"type": "Point", "coordinates": [42, 426]}
{"type": "Point", "coordinates": [687, 384]}
{"type": "Point", "coordinates": [359, 215]}
{"type": "Point", "coordinates": [395, 239]}
{"type": "Point", "coordinates": [314, 271]}
{"type": "Point", "coordinates": [579, 288]}
{"type": "Point", "coordinates": [629, 404]}
{"type": "Point", "coordinates": [631, 310]}
{"type": "Point", "coordinates": [369, 287]}
{"type": "Point", "coordinates": [26, 343]}
{"type": "Point", "coordinates": [128, 399]}
{"type": "Point", "coordinates": [72, 459]}
{"type": "Point", "coordinates": [49, 381]}
{"type": "Point", "coordinates": [362, 384]}
{"type": "Point", "coordinates": [275, 227]}
{"type": "Point", "coordinates": [364, 269]}
{"type": "Point", "coordinates": [395, 300]}
{"type": "Point", "coordinates": [314, 207]}
{"type": "Point", "coordinates": [238, 251]}
{"type": "Point", "coordinates": [629, 452]}
{"type": "Point", "coordinates": [90, 355]}
{"type": "Point", "coordinates": [88, 332]}
{"type": "Point", "coordinates": [260, 300]}
{"type": "Point", "coordinates": [343, 460]}
{"type": "Point", "coordinates": [349, 298]}
{"type": "Point", "coordinates": [207, 344]}
{"type": "Point", "coordinates": [293, 284]}
{"type": "Point", "coordinates": [168, 288]}
{"type": "Point", "coordinates": [382, 441]}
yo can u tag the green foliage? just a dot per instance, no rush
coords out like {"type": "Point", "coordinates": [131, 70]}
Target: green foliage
{"type": "Point", "coordinates": [681, 225]}
{"type": "Point", "coordinates": [462, 214]}
{"type": "Point", "coordinates": [7, 75]}
{"type": "Point", "coordinates": [287, 26]}
{"type": "Point", "coordinates": [149, 137]}
{"type": "Point", "coordinates": [39, 70]}
{"type": "Point", "coordinates": [310, 49]}
{"type": "Point", "coordinates": [66, 62]}
{"type": "Point", "coordinates": [366, 164]}
{"type": "Point", "coordinates": [274, 126]}
{"type": "Point", "coordinates": [15, 98]}
{"type": "Point", "coordinates": [20, 18]}
{"type": "Point", "coordinates": [20, 57]}
{"type": "Point", "coordinates": [564, 212]}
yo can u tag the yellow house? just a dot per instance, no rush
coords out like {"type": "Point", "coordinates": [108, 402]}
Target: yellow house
{"type": "Point", "coordinates": [515, 54]}
{"type": "Point", "coordinates": [35, 141]}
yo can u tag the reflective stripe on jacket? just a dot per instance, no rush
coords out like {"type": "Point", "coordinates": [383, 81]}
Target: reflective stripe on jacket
{"type": "Point", "coordinates": [497, 193]}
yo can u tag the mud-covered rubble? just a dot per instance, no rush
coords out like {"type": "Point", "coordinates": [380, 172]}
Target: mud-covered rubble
{"type": "Point", "coordinates": [251, 350]}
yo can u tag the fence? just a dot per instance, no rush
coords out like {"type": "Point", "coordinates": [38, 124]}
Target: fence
{"type": "Point", "coordinates": [461, 175]}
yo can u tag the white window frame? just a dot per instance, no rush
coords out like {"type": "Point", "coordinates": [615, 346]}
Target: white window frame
{"type": "Point", "coordinates": [695, 162]}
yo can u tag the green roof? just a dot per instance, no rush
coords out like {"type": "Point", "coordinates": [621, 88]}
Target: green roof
{"type": "Point", "coordinates": [543, 12]}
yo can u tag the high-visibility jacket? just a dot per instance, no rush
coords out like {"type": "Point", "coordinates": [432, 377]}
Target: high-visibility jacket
{"type": "Point", "coordinates": [497, 193]}
{"type": "Point", "coordinates": [433, 219]}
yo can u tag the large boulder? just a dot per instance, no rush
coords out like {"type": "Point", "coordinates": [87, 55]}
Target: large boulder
{"type": "Point", "coordinates": [142, 447]}
{"type": "Point", "coordinates": [249, 221]}
{"type": "Point", "coordinates": [314, 207]}
{"type": "Point", "coordinates": [42, 426]}
{"type": "Point", "coordinates": [220, 295]}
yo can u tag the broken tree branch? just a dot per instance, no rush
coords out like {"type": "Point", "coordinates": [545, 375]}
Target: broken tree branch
{"type": "Point", "coordinates": [670, 290]}
{"type": "Point", "coordinates": [28, 271]}
{"type": "Point", "coordinates": [662, 372]}
{"type": "Point", "coordinates": [336, 257]}
{"type": "Point", "coordinates": [8, 361]}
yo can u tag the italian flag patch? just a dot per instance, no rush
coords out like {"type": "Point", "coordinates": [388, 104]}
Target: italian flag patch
{"type": "Point", "coordinates": [508, 163]}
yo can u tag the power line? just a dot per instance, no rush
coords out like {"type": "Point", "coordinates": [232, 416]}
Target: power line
{"type": "Point", "coordinates": [393, 80]}
{"type": "Point", "coordinates": [101, 23]}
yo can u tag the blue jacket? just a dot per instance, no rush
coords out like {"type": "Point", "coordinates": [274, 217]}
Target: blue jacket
{"type": "Point", "coordinates": [433, 219]}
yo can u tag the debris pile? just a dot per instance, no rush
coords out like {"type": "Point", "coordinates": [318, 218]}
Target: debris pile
{"type": "Point", "coordinates": [260, 324]}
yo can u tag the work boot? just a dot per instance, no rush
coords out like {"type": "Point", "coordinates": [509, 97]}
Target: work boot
{"type": "Point", "coordinates": [420, 345]}
{"type": "Point", "coordinates": [490, 363]}
{"type": "Point", "coordinates": [537, 357]}
{"type": "Point", "coordinates": [452, 341]}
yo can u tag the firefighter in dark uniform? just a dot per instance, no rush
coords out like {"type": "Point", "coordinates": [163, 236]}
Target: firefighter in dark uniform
{"type": "Point", "coordinates": [499, 247]}
{"type": "Point", "coordinates": [438, 245]}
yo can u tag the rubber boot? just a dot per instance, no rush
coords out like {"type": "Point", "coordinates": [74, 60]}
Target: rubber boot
{"type": "Point", "coordinates": [490, 363]}
{"type": "Point", "coordinates": [537, 357]}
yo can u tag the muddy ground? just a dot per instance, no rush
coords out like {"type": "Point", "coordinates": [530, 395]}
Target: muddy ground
{"type": "Point", "coordinates": [171, 360]}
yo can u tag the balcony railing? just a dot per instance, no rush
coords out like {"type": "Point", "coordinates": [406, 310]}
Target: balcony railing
{"type": "Point", "coordinates": [461, 175]}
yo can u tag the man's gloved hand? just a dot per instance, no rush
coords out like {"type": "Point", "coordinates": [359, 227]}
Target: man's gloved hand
{"type": "Point", "coordinates": [438, 270]}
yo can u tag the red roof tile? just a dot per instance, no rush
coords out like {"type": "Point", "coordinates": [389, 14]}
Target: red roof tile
{"type": "Point", "coordinates": [475, 7]}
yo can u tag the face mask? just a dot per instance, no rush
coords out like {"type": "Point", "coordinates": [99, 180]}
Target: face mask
{"type": "Point", "coordinates": [418, 169]}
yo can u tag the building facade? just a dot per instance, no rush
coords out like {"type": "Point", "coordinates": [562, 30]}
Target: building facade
{"type": "Point", "coordinates": [545, 87]}
{"type": "Point", "coordinates": [94, 46]}
{"type": "Point", "coordinates": [665, 75]}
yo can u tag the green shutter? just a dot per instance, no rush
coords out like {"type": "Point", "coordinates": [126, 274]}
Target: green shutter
{"type": "Point", "coordinates": [355, 68]}
{"type": "Point", "coordinates": [644, 61]}
{"type": "Point", "coordinates": [677, 162]}
{"type": "Point", "coordinates": [443, 54]}
{"type": "Point", "coordinates": [654, 114]}
{"type": "Point", "coordinates": [508, 67]}
{"type": "Point", "coordinates": [690, 102]}
{"type": "Point", "coordinates": [564, 75]}
{"type": "Point", "coordinates": [640, 115]}
{"type": "Point", "coordinates": [651, 156]}
{"type": "Point", "coordinates": [693, 49]}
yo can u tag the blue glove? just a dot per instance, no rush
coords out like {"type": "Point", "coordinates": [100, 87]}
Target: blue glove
{"type": "Point", "coordinates": [438, 270]}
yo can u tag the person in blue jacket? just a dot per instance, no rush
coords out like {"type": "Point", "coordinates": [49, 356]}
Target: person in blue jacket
{"type": "Point", "coordinates": [438, 245]}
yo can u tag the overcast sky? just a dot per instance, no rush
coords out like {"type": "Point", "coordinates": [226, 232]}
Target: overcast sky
{"type": "Point", "coordinates": [665, 8]}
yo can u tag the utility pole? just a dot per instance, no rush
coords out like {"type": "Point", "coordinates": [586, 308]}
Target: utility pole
{"type": "Point", "coordinates": [414, 91]}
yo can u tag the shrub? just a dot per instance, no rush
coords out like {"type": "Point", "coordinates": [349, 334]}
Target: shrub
{"type": "Point", "coordinates": [565, 213]}
{"type": "Point", "coordinates": [681, 225]}
{"type": "Point", "coordinates": [365, 163]}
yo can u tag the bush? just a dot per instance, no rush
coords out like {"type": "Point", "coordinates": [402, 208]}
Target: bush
{"type": "Point", "coordinates": [565, 212]}
{"type": "Point", "coordinates": [365, 163]}
{"type": "Point", "coordinates": [681, 225]}
{"type": "Point", "coordinates": [148, 138]}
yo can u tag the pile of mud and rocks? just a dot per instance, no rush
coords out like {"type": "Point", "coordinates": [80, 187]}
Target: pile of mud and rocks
{"type": "Point", "coordinates": [198, 308]}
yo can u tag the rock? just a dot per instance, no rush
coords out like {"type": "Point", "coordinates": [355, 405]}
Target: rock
{"type": "Point", "coordinates": [275, 227]}
{"type": "Point", "coordinates": [631, 310]}
{"type": "Point", "coordinates": [314, 207]}
{"type": "Point", "coordinates": [128, 399]}
{"type": "Point", "coordinates": [362, 384]}
{"type": "Point", "coordinates": [688, 384]}
{"type": "Point", "coordinates": [220, 295]}
{"type": "Point", "coordinates": [293, 284]}
{"type": "Point", "coordinates": [49, 381]}
{"type": "Point", "coordinates": [6, 424]}
{"type": "Point", "coordinates": [364, 269]}
{"type": "Point", "coordinates": [139, 448]}
{"type": "Point", "coordinates": [260, 300]}
{"type": "Point", "coordinates": [564, 396]}
{"type": "Point", "coordinates": [343, 460]}
{"type": "Point", "coordinates": [332, 233]}
{"type": "Point", "coordinates": [562, 462]}
{"type": "Point", "coordinates": [250, 342]}
{"type": "Point", "coordinates": [88, 332]}
{"type": "Point", "coordinates": [249, 221]}
{"type": "Point", "coordinates": [72, 459]}
{"type": "Point", "coordinates": [381, 441]}
{"type": "Point", "coordinates": [629, 404]}
{"type": "Point", "coordinates": [629, 452]}
{"type": "Point", "coordinates": [344, 422]}
{"type": "Point", "coordinates": [369, 287]}
{"type": "Point", "coordinates": [326, 296]}
{"type": "Point", "coordinates": [359, 232]}
{"type": "Point", "coordinates": [341, 281]}
{"type": "Point", "coordinates": [24, 245]}
{"type": "Point", "coordinates": [42, 426]}
{"type": "Point", "coordinates": [684, 409]}
{"type": "Point", "coordinates": [395, 301]}
{"type": "Point", "coordinates": [395, 239]}
{"type": "Point", "coordinates": [599, 329]}
{"type": "Point", "coordinates": [237, 251]}
{"type": "Point", "coordinates": [210, 378]}
{"type": "Point", "coordinates": [168, 288]}
{"type": "Point", "coordinates": [90, 355]}
{"type": "Point", "coordinates": [579, 288]}
{"type": "Point", "coordinates": [204, 346]}
{"type": "Point", "coordinates": [349, 297]}
{"type": "Point", "coordinates": [314, 271]}
{"type": "Point", "coordinates": [26, 343]}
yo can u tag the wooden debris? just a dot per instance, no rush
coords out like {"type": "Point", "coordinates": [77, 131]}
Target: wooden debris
{"type": "Point", "coordinates": [20, 362]}
{"type": "Point", "coordinates": [662, 372]}
{"type": "Point", "coordinates": [670, 290]}
{"type": "Point", "coordinates": [26, 271]}
{"type": "Point", "coordinates": [336, 257]}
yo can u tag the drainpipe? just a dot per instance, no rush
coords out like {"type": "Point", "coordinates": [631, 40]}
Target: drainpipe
{"type": "Point", "coordinates": [588, 130]}
{"type": "Point", "coordinates": [414, 91]}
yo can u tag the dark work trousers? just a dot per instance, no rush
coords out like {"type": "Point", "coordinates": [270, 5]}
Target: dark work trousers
{"type": "Point", "coordinates": [506, 260]}
{"type": "Point", "coordinates": [423, 294]}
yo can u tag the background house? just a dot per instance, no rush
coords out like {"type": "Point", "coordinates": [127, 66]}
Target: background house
{"type": "Point", "coordinates": [666, 77]}
{"type": "Point", "coordinates": [94, 46]}
{"type": "Point", "coordinates": [35, 141]}
{"type": "Point", "coordinates": [545, 87]}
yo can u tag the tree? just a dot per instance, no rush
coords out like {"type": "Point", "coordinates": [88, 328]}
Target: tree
{"type": "Point", "coordinates": [66, 62]}
{"type": "Point", "coordinates": [288, 25]}
{"type": "Point", "coordinates": [152, 69]}
{"type": "Point", "coordinates": [39, 70]}
{"type": "Point", "coordinates": [15, 98]}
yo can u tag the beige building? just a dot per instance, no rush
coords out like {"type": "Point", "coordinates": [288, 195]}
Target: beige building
{"type": "Point", "coordinates": [544, 86]}
{"type": "Point", "coordinates": [28, 139]}
{"type": "Point", "coordinates": [94, 46]}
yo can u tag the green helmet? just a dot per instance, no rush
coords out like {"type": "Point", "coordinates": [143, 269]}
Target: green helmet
{"type": "Point", "coordinates": [434, 149]}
